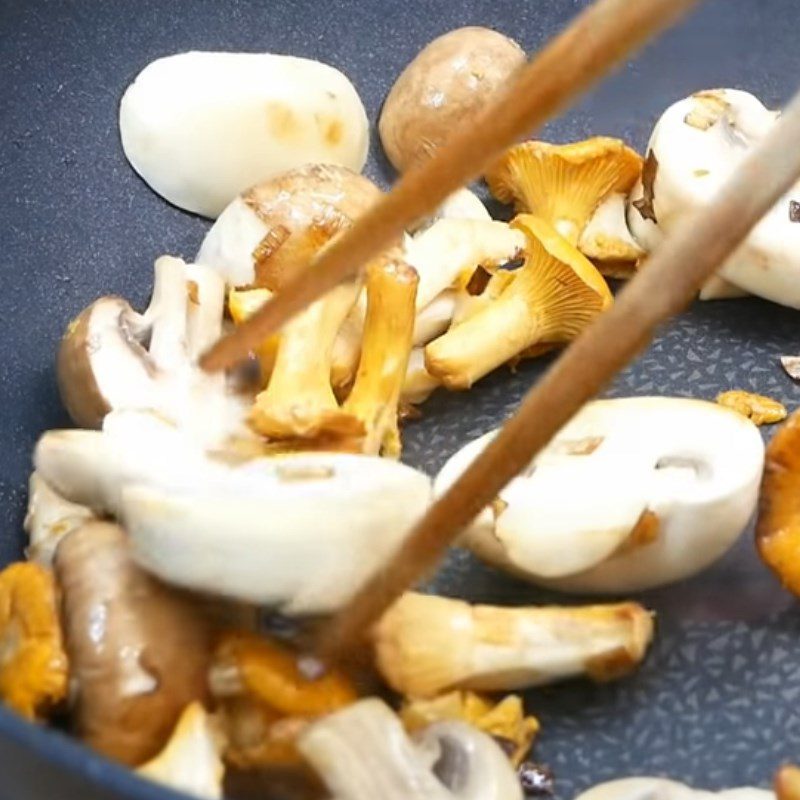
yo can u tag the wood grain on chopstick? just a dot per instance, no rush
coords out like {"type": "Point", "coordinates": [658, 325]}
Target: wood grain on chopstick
{"type": "Point", "coordinates": [667, 283]}
{"type": "Point", "coordinates": [596, 41]}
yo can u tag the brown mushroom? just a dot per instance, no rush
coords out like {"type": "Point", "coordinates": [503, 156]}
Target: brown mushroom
{"type": "Point", "coordinates": [139, 651]}
{"type": "Point", "coordinates": [258, 224]}
{"type": "Point", "coordinates": [442, 88]}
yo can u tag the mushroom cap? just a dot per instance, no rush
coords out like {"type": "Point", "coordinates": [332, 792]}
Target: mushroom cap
{"type": "Point", "coordinates": [695, 146]}
{"type": "Point", "coordinates": [100, 363]}
{"type": "Point", "coordinates": [448, 81]}
{"type": "Point", "coordinates": [263, 217]}
{"type": "Point", "coordinates": [564, 184]}
{"type": "Point", "coordinates": [300, 532]}
{"type": "Point", "coordinates": [136, 672]}
{"type": "Point", "coordinates": [201, 127]}
{"type": "Point", "coordinates": [695, 465]}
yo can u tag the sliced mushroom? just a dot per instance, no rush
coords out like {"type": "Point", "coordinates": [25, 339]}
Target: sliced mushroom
{"type": "Point", "coordinates": [49, 519]}
{"type": "Point", "coordinates": [564, 184]}
{"type": "Point", "coordinates": [425, 645]}
{"type": "Point", "coordinates": [190, 762]}
{"type": "Point", "coordinates": [254, 532]}
{"type": "Point", "coordinates": [202, 127]}
{"type": "Point", "coordinates": [363, 753]}
{"type": "Point", "coordinates": [666, 486]}
{"type": "Point", "coordinates": [103, 363]}
{"type": "Point", "coordinates": [551, 299]}
{"type": "Point", "coordinates": [254, 227]}
{"type": "Point", "coordinates": [694, 148]}
{"type": "Point", "coordinates": [138, 651]}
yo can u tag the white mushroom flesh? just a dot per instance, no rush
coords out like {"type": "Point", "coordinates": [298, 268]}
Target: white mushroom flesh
{"type": "Point", "coordinates": [644, 788]}
{"type": "Point", "coordinates": [697, 144]}
{"type": "Point", "coordinates": [200, 127]}
{"type": "Point", "coordinates": [693, 465]}
{"type": "Point", "coordinates": [606, 237]}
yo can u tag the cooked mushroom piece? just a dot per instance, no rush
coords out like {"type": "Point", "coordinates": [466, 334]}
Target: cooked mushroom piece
{"type": "Point", "coordinates": [607, 241]}
{"type": "Point", "coordinates": [666, 487]}
{"type": "Point", "coordinates": [564, 184]}
{"type": "Point", "coordinates": [435, 318]}
{"type": "Point", "coordinates": [425, 645]}
{"type": "Point", "coordinates": [33, 664]}
{"type": "Point", "coordinates": [253, 228]}
{"type": "Point", "coordinates": [441, 90]}
{"type": "Point", "coordinates": [135, 672]}
{"type": "Point", "coordinates": [363, 753]}
{"type": "Point", "coordinates": [418, 384]}
{"type": "Point", "coordinates": [49, 519]}
{"type": "Point", "coordinates": [778, 525]}
{"type": "Point", "coordinates": [462, 204]}
{"type": "Point", "coordinates": [388, 331]}
{"type": "Point", "coordinates": [103, 363]}
{"type": "Point", "coordinates": [201, 127]}
{"type": "Point", "coordinates": [695, 146]}
{"type": "Point", "coordinates": [552, 298]}
{"type": "Point", "coordinates": [190, 762]}
{"type": "Point", "coordinates": [663, 789]}
{"type": "Point", "coordinates": [299, 401]}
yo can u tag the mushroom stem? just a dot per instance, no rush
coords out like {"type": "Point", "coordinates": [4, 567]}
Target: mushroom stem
{"type": "Point", "coordinates": [167, 314]}
{"type": "Point", "coordinates": [552, 298]}
{"type": "Point", "coordinates": [299, 400]}
{"type": "Point", "coordinates": [425, 645]}
{"type": "Point", "coordinates": [451, 246]}
{"type": "Point", "coordinates": [206, 294]}
{"type": "Point", "coordinates": [388, 330]}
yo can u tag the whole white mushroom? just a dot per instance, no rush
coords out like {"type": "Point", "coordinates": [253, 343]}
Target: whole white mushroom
{"type": "Point", "coordinates": [694, 148]}
{"type": "Point", "coordinates": [200, 127]}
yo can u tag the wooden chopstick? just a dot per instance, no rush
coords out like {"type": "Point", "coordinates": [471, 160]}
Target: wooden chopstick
{"type": "Point", "coordinates": [667, 283]}
{"type": "Point", "coordinates": [596, 41]}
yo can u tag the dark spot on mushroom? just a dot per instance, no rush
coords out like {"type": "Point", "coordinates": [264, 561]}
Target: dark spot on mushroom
{"type": "Point", "coordinates": [537, 780]}
{"type": "Point", "coordinates": [304, 472]}
{"type": "Point", "coordinates": [334, 131]}
{"type": "Point", "coordinates": [649, 172]}
{"type": "Point", "coordinates": [478, 281]}
{"type": "Point", "coordinates": [792, 366]}
{"type": "Point", "coordinates": [794, 211]}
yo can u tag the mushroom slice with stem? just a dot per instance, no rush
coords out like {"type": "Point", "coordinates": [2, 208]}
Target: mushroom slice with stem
{"type": "Point", "coordinates": [552, 298]}
{"type": "Point", "coordinates": [261, 220]}
{"type": "Point", "coordinates": [261, 520]}
{"type": "Point", "coordinates": [363, 753]}
{"type": "Point", "coordinates": [695, 146]}
{"type": "Point", "coordinates": [103, 363]}
{"type": "Point", "coordinates": [641, 788]}
{"type": "Point", "coordinates": [134, 673]}
{"type": "Point", "coordinates": [425, 645]}
{"type": "Point", "coordinates": [49, 519]}
{"type": "Point", "coordinates": [778, 525]}
{"type": "Point", "coordinates": [190, 762]}
{"type": "Point", "coordinates": [418, 384]}
{"type": "Point", "coordinates": [564, 184]}
{"type": "Point", "coordinates": [388, 331]}
{"type": "Point", "coordinates": [666, 486]}
{"type": "Point", "coordinates": [33, 664]}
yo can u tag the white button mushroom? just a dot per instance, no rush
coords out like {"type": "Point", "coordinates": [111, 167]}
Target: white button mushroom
{"type": "Point", "coordinates": [300, 532]}
{"type": "Point", "coordinates": [694, 148]}
{"type": "Point", "coordinates": [665, 486]}
{"type": "Point", "coordinates": [641, 788]}
{"type": "Point", "coordinates": [202, 127]}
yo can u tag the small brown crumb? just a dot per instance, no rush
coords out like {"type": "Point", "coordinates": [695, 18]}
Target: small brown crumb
{"type": "Point", "coordinates": [794, 211]}
{"type": "Point", "coordinates": [649, 172]}
{"type": "Point", "coordinates": [792, 366]}
{"type": "Point", "coordinates": [193, 291]}
{"type": "Point", "coordinates": [537, 780]}
{"type": "Point", "coordinates": [644, 532]}
{"type": "Point", "coordinates": [498, 506]}
{"type": "Point", "coordinates": [478, 281]}
{"type": "Point", "coordinates": [757, 408]}
{"type": "Point", "coordinates": [708, 110]}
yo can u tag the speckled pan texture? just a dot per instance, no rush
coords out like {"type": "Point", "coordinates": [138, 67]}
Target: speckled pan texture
{"type": "Point", "coordinates": [717, 702]}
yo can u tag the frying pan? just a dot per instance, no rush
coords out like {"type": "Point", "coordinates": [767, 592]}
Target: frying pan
{"type": "Point", "coordinates": [716, 703]}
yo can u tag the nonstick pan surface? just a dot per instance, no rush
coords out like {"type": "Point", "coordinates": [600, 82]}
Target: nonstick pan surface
{"type": "Point", "coordinates": [716, 703]}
